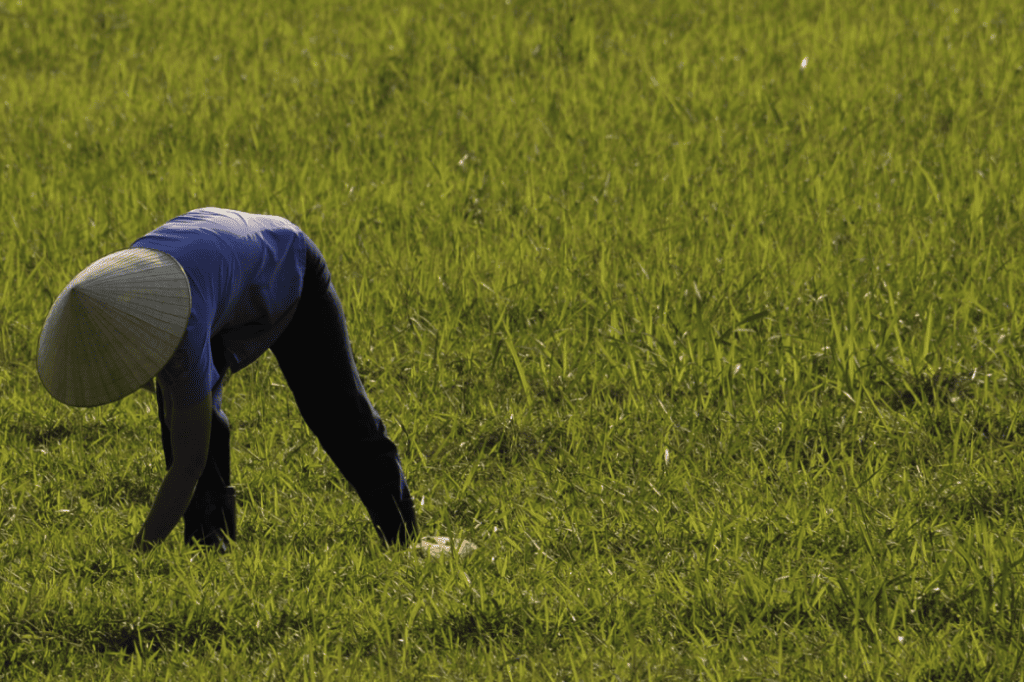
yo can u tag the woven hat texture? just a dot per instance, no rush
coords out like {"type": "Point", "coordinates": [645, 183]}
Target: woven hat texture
{"type": "Point", "coordinates": [115, 325]}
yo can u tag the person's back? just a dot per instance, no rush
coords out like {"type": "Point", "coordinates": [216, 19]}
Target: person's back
{"type": "Point", "coordinates": [245, 272]}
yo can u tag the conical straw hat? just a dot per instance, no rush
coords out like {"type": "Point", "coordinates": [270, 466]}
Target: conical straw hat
{"type": "Point", "coordinates": [114, 327]}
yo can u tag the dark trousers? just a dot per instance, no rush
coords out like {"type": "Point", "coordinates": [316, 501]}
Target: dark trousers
{"type": "Point", "coordinates": [315, 355]}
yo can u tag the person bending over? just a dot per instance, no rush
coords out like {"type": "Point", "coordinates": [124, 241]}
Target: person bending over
{"type": "Point", "coordinates": [189, 303]}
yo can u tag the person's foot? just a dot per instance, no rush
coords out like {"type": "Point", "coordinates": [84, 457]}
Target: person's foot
{"type": "Point", "coordinates": [395, 521]}
{"type": "Point", "coordinates": [214, 524]}
{"type": "Point", "coordinates": [220, 542]}
{"type": "Point", "coordinates": [212, 538]}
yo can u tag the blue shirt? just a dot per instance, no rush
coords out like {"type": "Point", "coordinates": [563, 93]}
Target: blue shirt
{"type": "Point", "coordinates": [245, 272]}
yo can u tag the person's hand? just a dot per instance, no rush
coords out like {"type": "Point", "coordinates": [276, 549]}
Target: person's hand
{"type": "Point", "coordinates": [190, 441]}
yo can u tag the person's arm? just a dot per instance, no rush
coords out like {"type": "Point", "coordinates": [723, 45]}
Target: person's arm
{"type": "Point", "coordinates": [190, 441]}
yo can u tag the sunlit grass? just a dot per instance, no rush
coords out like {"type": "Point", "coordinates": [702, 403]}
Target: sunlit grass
{"type": "Point", "coordinates": [703, 321]}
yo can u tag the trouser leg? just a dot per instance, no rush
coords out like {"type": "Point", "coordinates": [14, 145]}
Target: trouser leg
{"type": "Point", "coordinates": [316, 358]}
{"type": "Point", "coordinates": [212, 507]}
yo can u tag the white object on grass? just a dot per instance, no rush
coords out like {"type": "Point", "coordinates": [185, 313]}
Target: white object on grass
{"type": "Point", "coordinates": [438, 546]}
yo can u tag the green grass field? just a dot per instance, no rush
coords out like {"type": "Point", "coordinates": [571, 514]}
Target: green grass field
{"type": "Point", "coordinates": [703, 320]}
